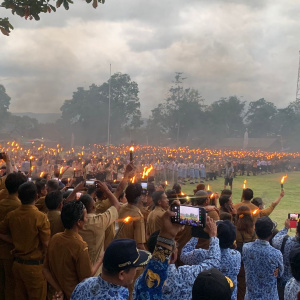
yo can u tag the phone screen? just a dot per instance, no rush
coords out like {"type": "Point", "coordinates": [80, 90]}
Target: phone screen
{"type": "Point", "coordinates": [294, 218]}
{"type": "Point", "coordinates": [89, 182]}
{"type": "Point", "coordinates": [144, 185]}
{"type": "Point", "coordinates": [189, 215]}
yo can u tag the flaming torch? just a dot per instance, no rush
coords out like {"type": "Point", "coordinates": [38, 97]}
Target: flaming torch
{"type": "Point", "coordinates": [244, 185]}
{"type": "Point", "coordinates": [131, 149]}
{"type": "Point", "coordinates": [125, 221]}
{"type": "Point", "coordinates": [30, 164]}
{"type": "Point", "coordinates": [208, 187]}
{"type": "Point", "coordinates": [282, 181]}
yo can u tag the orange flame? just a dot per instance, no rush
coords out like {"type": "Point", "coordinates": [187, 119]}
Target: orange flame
{"type": "Point", "coordinates": [133, 179]}
{"type": "Point", "coordinates": [131, 149]}
{"type": "Point", "coordinates": [60, 170]}
{"type": "Point", "coordinates": [42, 173]}
{"type": "Point", "coordinates": [31, 157]}
{"type": "Point", "coordinates": [182, 194]}
{"type": "Point", "coordinates": [244, 186]}
{"type": "Point", "coordinates": [208, 187]}
{"type": "Point", "coordinates": [147, 171]}
{"type": "Point", "coordinates": [166, 182]}
{"type": "Point", "coordinates": [127, 219]}
{"type": "Point", "coordinates": [255, 211]}
{"type": "Point", "coordinates": [212, 195]}
{"type": "Point", "coordinates": [282, 179]}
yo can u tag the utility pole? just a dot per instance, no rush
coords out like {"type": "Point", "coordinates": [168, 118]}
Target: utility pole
{"type": "Point", "coordinates": [298, 82]}
{"type": "Point", "coordinates": [108, 119]}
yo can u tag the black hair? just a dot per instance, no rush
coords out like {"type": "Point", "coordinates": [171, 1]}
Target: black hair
{"type": "Point", "coordinates": [133, 192]}
{"type": "Point", "coordinates": [113, 272]}
{"type": "Point", "coordinates": [151, 243]}
{"type": "Point", "coordinates": [226, 192]}
{"type": "Point", "coordinates": [121, 196]}
{"type": "Point", "coordinates": [53, 200]}
{"type": "Point", "coordinates": [156, 196]}
{"type": "Point", "coordinates": [40, 184]}
{"type": "Point", "coordinates": [247, 194]}
{"type": "Point", "coordinates": [224, 199]}
{"type": "Point", "coordinates": [257, 201]}
{"type": "Point", "coordinates": [171, 194]}
{"type": "Point", "coordinates": [53, 185]}
{"type": "Point", "coordinates": [177, 188]}
{"type": "Point", "coordinates": [72, 212]}
{"type": "Point", "coordinates": [225, 216]}
{"type": "Point", "coordinates": [295, 262]}
{"type": "Point", "coordinates": [226, 234]}
{"type": "Point", "coordinates": [13, 181]}
{"type": "Point", "coordinates": [87, 201]}
{"type": "Point", "coordinates": [27, 192]}
{"type": "Point", "coordinates": [91, 189]}
{"type": "Point", "coordinates": [199, 200]}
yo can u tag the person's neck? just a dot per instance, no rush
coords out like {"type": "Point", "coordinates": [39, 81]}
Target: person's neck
{"type": "Point", "coordinates": [110, 279]}
{"type": "Point", "coordinates": [75, 228]}
{"type": "Point", "coordinates": [246, 200]}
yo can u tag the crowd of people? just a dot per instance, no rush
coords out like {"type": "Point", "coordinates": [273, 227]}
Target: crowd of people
{"type": "Point", "coordinates": [75, 228]}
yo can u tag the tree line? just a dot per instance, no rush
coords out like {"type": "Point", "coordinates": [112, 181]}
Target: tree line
{"type": "Point", "coordinates": [182, 117]}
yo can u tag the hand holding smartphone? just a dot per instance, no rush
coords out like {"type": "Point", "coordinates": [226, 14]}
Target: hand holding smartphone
{"type": "Point", "coordinates": [189, 215]}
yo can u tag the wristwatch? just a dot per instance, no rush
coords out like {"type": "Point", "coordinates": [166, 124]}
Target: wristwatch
{"type": "Point", "coordinates": [166, 241]}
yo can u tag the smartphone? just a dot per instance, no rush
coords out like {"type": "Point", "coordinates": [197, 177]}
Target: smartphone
{"type": "Point", "coordinates": [2, 155]}
{"type": "Point", "coordinates": [70, 189]}
{"type": "Point", "coordinates": [89, 183]}
{"type": "Point", "coordinates": [189, 215]}
{"type": "Point", "coordinates": [29, 179]}
{"type": "Point", "coordinates": [294, 218]}
{"type": "Point", "coordinates": [144, 185]}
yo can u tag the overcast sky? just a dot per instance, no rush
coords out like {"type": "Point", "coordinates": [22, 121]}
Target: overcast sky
{"type": "Point", "coordinates": [245, 48]}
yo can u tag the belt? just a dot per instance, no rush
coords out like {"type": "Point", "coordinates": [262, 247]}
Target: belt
{"type": "Point", "coordinates": [29, 262]}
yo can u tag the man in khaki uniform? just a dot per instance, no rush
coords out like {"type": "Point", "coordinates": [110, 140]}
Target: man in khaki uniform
{"type": "Point", "coordinates": [67, 262]}
{"type": "Point", "coordinates": [93, 231]}
{"type": "Point", "coordinates": [30, 233]}
{"type": "Point", "coordinates": [246, 200]}
{"type": "Point", "coordinates": [53, 202]}
{"type": "Point", "coordinates": [12, 183]}
{"type": "Point", "coordinates": [161, 203]}
{"type": "Point", "coordinates": [135, 227]}
{"type": "Point", "coordinates": [51, 186]}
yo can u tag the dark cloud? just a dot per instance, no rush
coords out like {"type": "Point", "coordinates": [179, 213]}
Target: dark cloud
{"type": "Point", "coordinates": [243, 48]}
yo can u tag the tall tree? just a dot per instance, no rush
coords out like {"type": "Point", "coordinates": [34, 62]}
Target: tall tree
{"type": "Point", "coordinates": [226, 117]}
{"type": "Point", "coordinates": [86, 113]}
{"type": "Point", "coordinates": [179, 115]}
{"type": "Point", "coordinates": [259, 118]}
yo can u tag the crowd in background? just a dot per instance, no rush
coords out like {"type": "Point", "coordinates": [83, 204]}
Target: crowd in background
{"type": "Point", "coordinates": [87, 228]}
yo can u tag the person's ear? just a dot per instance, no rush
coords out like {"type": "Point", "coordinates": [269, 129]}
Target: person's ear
{"type": "Point", "coordinates": [121, 275]}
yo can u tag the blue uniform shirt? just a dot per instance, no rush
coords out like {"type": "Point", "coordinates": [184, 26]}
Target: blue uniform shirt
{"type": "Point", "coordinates": [260, 261]}
{"type": "Point", "coordinates": [290, 243]}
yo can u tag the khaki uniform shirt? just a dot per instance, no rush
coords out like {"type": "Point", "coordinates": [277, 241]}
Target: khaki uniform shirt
{"type": "Point", "coordinates": [251, 206]}
{"type": "Point", "coordinates": [56, 225]}
{"type": "Point", "coordinates": [68, 260]}
{"type": "Point", "coordinates": [7, 205]}
{"type": "Point", "coordinates": [29, 229]}
{"type": "Point", "coordinates": [154, 220]}
{"type": "Point", "coordinates": [267, 211]}
{"type": "Point", "coordinates": [3, 190]}
{"type": "Point", "coordinates": [93, 232]}
{"type": "Point", "coordinates": [40, 204]}
{"type": "Point", "coordinates": [135, 228]}
{"type": "Point", "coordinates": [101, 207]}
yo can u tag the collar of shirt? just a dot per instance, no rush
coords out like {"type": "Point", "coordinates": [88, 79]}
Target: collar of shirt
{"type": "Point", "coordinates": [159, 208]}
{"type": "Point", "coordinates": [72, 233]}
{"type": "Point", "coordinates": [262, 242]}
{"type": "Point", "coordinates": [29, 207]}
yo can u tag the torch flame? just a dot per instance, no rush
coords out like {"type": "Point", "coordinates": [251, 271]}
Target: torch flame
{"type": "Point", "coordinates": [282, 179]}
{"type": "Point", "coordinates": [127, 219]}
{"type": "Point", "coordinates": [131, 148]}
{"type": "Point", "coordinates": [212, 195]}
{"type": "Point", "coordinates": [31, 157]}
{"type": "Point", "coordinates": [132, 179]}
{"type": "Point", "coordinates": [182, 194]}
{"type": "Point", "coordinates": [255, 211]}
{"type": "Point", "coordinates": [166, 182]}
{"type": "Point", "coordinates": [208, 187]}
{"type": "Point", "coordinates": [42, 173]}
{"type": "Point", "coordinates": [244, 186]}
{"type": "Point", "coordinates": [60, 170]}
{"type": "Point", "coordinates": [147, 171]}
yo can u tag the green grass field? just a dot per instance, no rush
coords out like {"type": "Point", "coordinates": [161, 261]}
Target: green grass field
{"type": "Point", "coordinates": [265, 186]}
